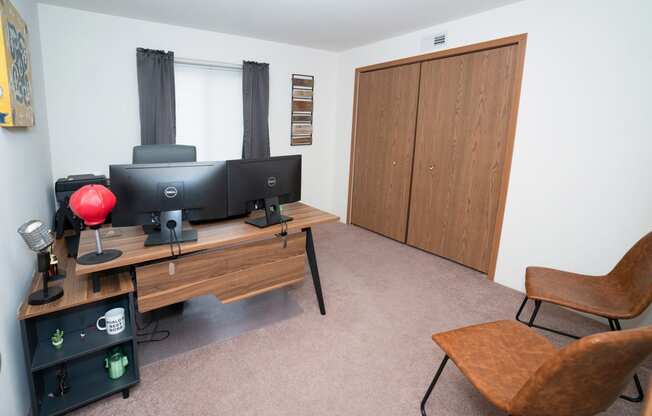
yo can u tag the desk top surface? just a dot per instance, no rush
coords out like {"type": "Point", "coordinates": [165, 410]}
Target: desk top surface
{"type": "Point", "coordinates": [76, 292]}
{"type": "Point", "coordinates": [131, 240]}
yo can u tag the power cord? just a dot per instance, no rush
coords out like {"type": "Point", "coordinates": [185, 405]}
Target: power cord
{"type": "Point", "coordinates": [155, 335]}
{"type": "Point", "coordinates": [284, 232]}
{"type": "Point", "coordinates": [176, 239]}
{"type": "Point", "coordinates": [171, 225]}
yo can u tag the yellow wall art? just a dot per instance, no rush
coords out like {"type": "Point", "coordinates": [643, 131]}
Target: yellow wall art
{"type": "Point", "coordinates": [15, 69]}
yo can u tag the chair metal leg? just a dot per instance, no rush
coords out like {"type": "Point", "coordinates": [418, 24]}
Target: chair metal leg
{"type": "Point", "coordinates": [537, 305]}
{"type": "Point", "coordinates": [530, 323]}
{"type": "Point", "coordinates": [518, 314]}
{"type": "Point", "coordinates": [432, 385]}
{"type": "Point", "coordinates": [615, 326]}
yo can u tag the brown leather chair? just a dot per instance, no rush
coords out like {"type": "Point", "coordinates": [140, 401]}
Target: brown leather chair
{"type": "Point", "coordinates": [647, 407]}
{"type": "Point", "coordinates": [522, 373]}
{"type": "Point", "coordinates": [624, 293]}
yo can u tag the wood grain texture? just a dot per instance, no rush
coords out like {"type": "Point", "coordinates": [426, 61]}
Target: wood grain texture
{"type": "Point", "coordinates": [301, 105]}
{"type": "Point", "coordinates": [303, 82]}
{"type": "Point", "coordinates": [76, 291]}
{"type": "Point", "coordinates": [462, 135]}
{"type": "Point", "coordinates": [354, 126]}
{"type": "Point", "coordinates": [447, 53]}
{"type": "Point", "coordinates": [210, 236]}
{"type": "Point", "coordinates": [386, 116]}
{"type": "Point", "coordinates": [230, 274]}
{"type": "Point", "coordinates": [519, 41]}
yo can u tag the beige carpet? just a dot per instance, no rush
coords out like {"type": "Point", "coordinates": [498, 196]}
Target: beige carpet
{"type": "Point", "coordinates": [370, 355]}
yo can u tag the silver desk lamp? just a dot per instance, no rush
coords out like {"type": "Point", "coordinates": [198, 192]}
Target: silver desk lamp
{"type": "Point", "coordinates": [38, 238]}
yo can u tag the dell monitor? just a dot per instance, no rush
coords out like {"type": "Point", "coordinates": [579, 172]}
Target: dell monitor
{"type": "Point", "coordinates": [166, 193]}
{"type": "Point", "coordinates": [263, 183]}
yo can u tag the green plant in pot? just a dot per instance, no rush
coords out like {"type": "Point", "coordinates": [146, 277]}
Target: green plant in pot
{"type": "Point", "coordinates": [57, 339]}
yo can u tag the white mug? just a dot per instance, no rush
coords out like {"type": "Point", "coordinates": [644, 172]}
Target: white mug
{"type": "Point", "coordinates": [114, 321]}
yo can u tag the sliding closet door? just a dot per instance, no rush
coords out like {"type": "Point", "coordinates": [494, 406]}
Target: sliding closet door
{"type": "Point", "coordinates": [384, 143]}
{"type": "Point", "coordinates": [462, 132]}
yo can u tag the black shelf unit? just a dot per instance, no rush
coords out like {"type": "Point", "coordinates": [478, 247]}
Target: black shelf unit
{"type": "Point", "coordinates": [83, 357]}
{"type": "Point", "coordinates": [75, 346]}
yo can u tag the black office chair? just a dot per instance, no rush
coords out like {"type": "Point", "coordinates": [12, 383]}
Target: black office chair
{"type": "Point", "coordinates": [164, 153]}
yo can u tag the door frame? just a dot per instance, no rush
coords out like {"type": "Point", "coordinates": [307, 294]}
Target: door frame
{"type": "Point", "coordinates": [520, 42]}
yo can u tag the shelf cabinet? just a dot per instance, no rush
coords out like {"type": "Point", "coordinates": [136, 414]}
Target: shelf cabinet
{"type": "Point", "coordinates": [81, 356]}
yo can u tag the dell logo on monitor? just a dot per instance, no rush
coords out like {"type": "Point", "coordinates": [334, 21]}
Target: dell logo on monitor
{"type": "Point", "coordinates": [271, 181]}
{"type": "Point", "coordinates": [170, 192]}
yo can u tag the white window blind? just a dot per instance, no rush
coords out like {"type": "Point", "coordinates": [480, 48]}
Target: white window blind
{"type": "Point", "coordinates": [209, 111]}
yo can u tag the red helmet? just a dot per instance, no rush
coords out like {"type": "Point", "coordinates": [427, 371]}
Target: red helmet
{"type": "Point", "coordinates": [92, 203]}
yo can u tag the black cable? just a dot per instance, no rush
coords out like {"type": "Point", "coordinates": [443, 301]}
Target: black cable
{"type": "Point", "coordinates": [174, 232]}
{"type": "Point", "coordinates": [139, 328]}
{"type": "Point", "coordinates": [171, 225]}
{"type": "Point", "coordinates": [164, 333]}
{"type": "Point", "coordinates": [284, 232]}
{"type": "Point", "coordinates": [171, 243]}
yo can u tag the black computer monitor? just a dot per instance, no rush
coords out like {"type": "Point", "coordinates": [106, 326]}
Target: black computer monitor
{"type": "Point", "coordinates": [263, 183]}
{"type": "Point", "coordinates": [169, 192]}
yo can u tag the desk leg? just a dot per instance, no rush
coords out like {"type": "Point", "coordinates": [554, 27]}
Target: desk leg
{"type": "Point", "coordinates": [312, 261]}
{"type": "Point", "coordinates": [96, 282]}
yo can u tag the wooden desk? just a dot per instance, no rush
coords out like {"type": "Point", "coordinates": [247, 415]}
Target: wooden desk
{"type": "Point", "coordinates": [76, 292]}
{"type": "Point", "coordinates": [230, 259]}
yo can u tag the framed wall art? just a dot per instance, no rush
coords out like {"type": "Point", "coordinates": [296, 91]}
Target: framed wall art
{"type": "Point", "coordinates": [15, 69]}
{"type": "Point", "coordinates": [302, 108]}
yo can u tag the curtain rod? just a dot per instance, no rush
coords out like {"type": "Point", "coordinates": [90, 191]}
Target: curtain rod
{"type": "Point", "coordinates": [208, 64]}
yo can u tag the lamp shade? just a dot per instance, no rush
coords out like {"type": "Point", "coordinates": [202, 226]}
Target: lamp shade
{"type": "Point", "coordinates": [92, 203]}
{"type": "Point", "coordinates": [36, 234]}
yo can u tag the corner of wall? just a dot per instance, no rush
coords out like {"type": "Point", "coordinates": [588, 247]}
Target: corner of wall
{"type": "Point", "coordinates": [26, 179]}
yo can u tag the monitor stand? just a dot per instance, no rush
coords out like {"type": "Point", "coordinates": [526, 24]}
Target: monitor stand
{"type": "Point", "coordinates": [151, 228]}
{"type": "Point", "coordinates": [170, 220]}
{"type": "Point", "coordinates": [272, 214]}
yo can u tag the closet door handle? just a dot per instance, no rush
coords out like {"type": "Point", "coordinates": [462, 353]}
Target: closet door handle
{"type": "Point", "coordinates": [431, 168]}
{"type": "Point", "coordinates": [393, 163]}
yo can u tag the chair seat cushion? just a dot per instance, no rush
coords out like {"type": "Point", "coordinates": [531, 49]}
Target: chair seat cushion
{"type": "Point", "coordinates": [496, 357]}
{"type": "Point", "coordinates": [597, 295]}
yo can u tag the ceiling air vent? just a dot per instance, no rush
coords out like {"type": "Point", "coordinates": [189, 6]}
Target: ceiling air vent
{"type": "Point", "coordinates": [432, 42]}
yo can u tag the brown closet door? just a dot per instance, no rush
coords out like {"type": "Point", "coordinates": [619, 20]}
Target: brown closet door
{"type": "Point", "coordinates": [384, 144]}
{"type": "Point", "coordinates": [464, 109]}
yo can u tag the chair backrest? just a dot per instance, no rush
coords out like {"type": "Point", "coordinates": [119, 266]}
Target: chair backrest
{"type": "Point", "coordinates": [634, 274]}
{"type": "Point", "coordinates": [164, 153]}
{"type": "Point", "coordinates": [647, 406]}
{"type": "Point", "coordinates": [586, 376]}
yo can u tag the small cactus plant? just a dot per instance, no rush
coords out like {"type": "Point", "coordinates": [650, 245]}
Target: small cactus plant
{"type": "Point", "coordinates": [57, 339]}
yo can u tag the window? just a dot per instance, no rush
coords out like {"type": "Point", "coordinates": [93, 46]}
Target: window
{"type": "Point", "coordinates": [209, 110]}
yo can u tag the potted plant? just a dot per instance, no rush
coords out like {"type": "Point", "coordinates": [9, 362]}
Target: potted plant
{"type": "Point", "coordinates": [57, 339]}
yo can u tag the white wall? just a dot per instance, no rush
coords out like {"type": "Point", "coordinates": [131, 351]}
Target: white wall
{"type": "Point", "coordinates": [579, 193]}
{"type": "Point", "coordinates": [90, 69]}
{"type": "Point", "coordinates": [26, 183]}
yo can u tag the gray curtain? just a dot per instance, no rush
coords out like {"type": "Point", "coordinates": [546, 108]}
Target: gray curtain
{"type": "Point", "coordinates": [158, 124]}
{"type": "Point", "coordinates": [255, 100]}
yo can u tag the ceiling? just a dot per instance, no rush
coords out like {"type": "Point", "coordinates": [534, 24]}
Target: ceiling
{"type": "Point", "coordinates": [324, 24]}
